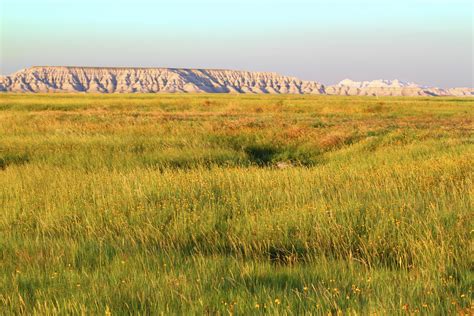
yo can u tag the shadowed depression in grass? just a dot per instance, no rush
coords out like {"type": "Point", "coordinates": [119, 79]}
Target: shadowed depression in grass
{"type": "Point", "coordinates": [235, 203]}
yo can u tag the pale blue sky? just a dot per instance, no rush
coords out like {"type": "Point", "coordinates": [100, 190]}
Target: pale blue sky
{"type": "Point", "coordinates": [426, 41]}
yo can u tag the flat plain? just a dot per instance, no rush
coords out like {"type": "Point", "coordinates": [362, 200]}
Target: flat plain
{"type": "Point", "coordinates": [235, 204]}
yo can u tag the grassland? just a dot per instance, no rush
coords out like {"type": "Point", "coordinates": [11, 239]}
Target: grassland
{"type": "Point", "coordinates": [218, 204]}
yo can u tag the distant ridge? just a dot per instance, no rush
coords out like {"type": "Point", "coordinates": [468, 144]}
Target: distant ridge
{"type": "Point", "coordinates": [42, 79]}
{"type": "Point", "coordinates": [395, 87]}
{"type": "Point", "coordinates": [152, 80]}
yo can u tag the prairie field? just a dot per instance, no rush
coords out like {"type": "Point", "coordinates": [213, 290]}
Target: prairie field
{"type": "Point", "coordinates": [236, 204]}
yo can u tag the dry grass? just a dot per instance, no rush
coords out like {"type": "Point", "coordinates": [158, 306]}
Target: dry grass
{"type": "Point", "coordinates": [178, 204]}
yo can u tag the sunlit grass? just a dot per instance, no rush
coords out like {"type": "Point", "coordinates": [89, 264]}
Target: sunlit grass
{"type": "Point", "coordinates": [195, 204]}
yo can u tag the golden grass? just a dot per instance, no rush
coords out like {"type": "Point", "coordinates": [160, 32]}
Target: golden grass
{"type": "Point", "coordinates": [176, 204]}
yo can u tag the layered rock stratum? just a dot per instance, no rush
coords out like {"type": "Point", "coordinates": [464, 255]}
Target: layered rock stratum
{"type": "Point", "coordinates": [393, 88]}
{"type": "Point", "coordinates": [153, 80]}
{"type": "Point", "coordinates": [42, 79]}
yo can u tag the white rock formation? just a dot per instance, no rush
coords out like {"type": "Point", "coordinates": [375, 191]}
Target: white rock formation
{"type": "Point", "coordinates": [152, 80]}
{"type": "Point", "coordinates": [377, 84]}
{"type": "Point", "coordinates": [168, 80]}
{"type": "Point", "coordinates": [392, 88]}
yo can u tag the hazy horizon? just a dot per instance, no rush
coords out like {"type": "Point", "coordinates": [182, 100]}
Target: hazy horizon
{"type": "Point", "coordinates": [424, 41]}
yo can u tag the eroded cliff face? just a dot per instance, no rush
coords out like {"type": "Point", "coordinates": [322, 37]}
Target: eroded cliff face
{"type": "Point", "coordinates": [392, 88]}
{"type": "Point", "coordinates": [170, 80]}
{"type": "Point", "coordinates": [152, 80]}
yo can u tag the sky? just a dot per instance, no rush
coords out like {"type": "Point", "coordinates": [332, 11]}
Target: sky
{"type": "Point", "coordinates": [424, 41]}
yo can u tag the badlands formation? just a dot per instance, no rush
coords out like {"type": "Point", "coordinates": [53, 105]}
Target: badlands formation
{"type": "Point", "coordinates": [393, 88]}
{"type": "Point", "coordinates": [170, 80]}
{"type": "Point", "coordinates": [152, 80]}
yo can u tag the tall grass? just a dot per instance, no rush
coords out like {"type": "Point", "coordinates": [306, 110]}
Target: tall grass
{"type": "Point", "coordinates": [217, 204]}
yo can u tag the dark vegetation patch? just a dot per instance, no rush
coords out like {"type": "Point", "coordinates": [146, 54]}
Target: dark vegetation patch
{"type": "Point", "coordinates": [92, 254]}
{"type": "Point", "coordinates": [33, 107]}
{"type": "Point", "coordinates": [186, 160]}
{"type": "Point", "coordinates": [321, 124]}
{"type": "Point", "coordinates": [263, 152]}
{"type": "Point", "coordinates": [27, 288]}
{"type": "Point", "coordinates": [8, 159]}
{"type": "Point", "coordinates": [376, 108]}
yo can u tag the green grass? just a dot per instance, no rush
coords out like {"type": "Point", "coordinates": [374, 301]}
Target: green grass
{"type": "Point", "coordinates": [218, 204]}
